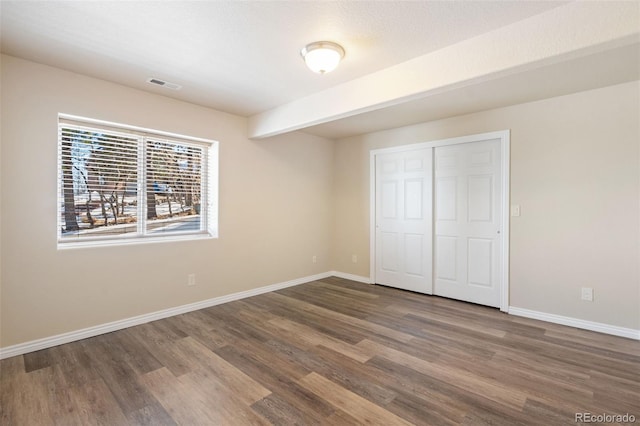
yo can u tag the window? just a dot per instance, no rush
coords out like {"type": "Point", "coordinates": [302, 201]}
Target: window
{"type": "Point", "coordinates": [121, 184]}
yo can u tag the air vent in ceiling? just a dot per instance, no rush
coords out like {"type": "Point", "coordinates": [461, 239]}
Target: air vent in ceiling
{"type": "Point", "coordinates": [163, 83]}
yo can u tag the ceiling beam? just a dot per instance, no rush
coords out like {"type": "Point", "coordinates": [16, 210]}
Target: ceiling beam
{"type": "Point", "coordinates": [574, 30]}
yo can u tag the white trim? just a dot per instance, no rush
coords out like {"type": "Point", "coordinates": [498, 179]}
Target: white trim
{"type": "Point", "coordinates": [505, 140]}
{"type": "Point", "coordinates": [79, 121]}
{"type": "Point", "coordinates": [352, 277]}
{"type": "Point", "coordinates": [629, 333]}
{"type": "Point", "coordinates": [500, 134]}
{"type": "Point", "coordinates": [372, 214]}
{"type": "Point", "coordinates": [505, 148]}
{"type": "Point", "coordinates": [48, 342]}
{"type": "Point", "coordinates": [87, 243]}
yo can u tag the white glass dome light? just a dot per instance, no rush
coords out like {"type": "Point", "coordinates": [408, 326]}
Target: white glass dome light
{"type": "Point", "coordinates": [322, 56]}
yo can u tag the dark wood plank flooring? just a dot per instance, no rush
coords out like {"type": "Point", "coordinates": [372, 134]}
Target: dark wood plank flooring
{"type": "Point", "coordinates": [327, 352]}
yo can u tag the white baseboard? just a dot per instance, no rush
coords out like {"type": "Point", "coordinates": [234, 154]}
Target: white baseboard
{"type": "Point", "coordinates": [48, 342]}
{"type": "Point", "coordinates": [629, 333]}
{"type": "Point", "coordinates": [351, 277]}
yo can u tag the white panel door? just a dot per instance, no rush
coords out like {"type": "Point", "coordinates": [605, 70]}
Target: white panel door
{"type": "Point", "coordinates": [404, 219]}
{"type": "Point", "coordinates": [467, 222]}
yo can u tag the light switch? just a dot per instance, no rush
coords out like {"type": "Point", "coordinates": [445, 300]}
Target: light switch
{"type": "Point", "coordinates": [515, 210]}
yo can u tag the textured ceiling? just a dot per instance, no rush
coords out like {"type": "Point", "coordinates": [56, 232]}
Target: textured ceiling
{"type": "Point", "coordinates": [241, 56]}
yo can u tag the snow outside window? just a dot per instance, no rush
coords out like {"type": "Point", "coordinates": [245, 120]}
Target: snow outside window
{"type": "Point", "coordinates": [120, 184]}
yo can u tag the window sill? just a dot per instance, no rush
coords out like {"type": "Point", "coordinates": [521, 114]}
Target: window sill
{"type": "Point", "coordinates": [68, 245]}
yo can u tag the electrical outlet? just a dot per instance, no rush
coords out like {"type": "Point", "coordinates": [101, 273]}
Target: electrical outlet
{"type": "Point", "coordinates": [354, 258]}
{"type": "Point", "coordinates": [191, 279]}
{"type": "Point", "coordinates": [314, 259]}
{"type": "Point", "coordinates": [587, 294]}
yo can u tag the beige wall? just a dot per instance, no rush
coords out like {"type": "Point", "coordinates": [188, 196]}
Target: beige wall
{"type": "Point", "coordinates": [275, 204]}
{"type": "Point", "coordinates": [575, 172]}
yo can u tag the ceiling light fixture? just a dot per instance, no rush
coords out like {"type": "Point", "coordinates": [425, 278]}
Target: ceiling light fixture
{"type": "Point", "coordinates": [322, 56]}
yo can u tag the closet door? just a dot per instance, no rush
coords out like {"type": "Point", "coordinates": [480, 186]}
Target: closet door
{"type": "Point", "coordinates": [404, 219]}
{"type": "Point", "coordinates": [468, 214]}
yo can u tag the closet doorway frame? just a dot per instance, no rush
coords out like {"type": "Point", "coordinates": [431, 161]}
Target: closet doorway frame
{"type": "Point", "coordinates": [504, 136]}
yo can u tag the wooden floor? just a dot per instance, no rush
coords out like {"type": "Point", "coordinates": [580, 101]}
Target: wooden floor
{"type": "Point", "coordinates": [328, 352]}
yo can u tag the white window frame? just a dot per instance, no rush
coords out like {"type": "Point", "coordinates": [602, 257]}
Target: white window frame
{"type": "Point", "coordinates": [209, 196]}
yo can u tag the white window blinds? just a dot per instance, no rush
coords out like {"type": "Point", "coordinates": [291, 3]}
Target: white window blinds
{"type": "Point", "coordinates": [119, 184]}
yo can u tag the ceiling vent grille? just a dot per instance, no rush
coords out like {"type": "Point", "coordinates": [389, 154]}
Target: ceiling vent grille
{"type": "Point", "coordinates": [158, 82]}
